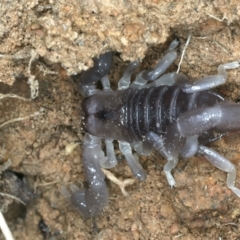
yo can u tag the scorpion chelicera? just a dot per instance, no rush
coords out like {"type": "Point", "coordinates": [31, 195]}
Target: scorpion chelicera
{"type": "Point", "coordinates": [165, 112]}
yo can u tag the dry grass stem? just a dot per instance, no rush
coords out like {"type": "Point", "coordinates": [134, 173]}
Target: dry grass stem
{"type": "Point", "coordinates": [121, 184]}
{"type": "Point", "coordinates": [5, 229]}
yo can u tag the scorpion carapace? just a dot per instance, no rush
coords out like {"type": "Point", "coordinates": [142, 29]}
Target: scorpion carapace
{"type": "Point", "coordinates": [165, 112]}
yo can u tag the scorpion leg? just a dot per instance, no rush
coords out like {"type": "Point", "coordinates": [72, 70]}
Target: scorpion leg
{"type": "Point", "coordinates": [222, 117]}
{"type": "Point", "coordinates": [168, 79]}
{"type": "Point", "coordinates": [168, 167]}
{"type": "Point", "coordinates": [90, 201]}
{"type": "Point", "coordinates": [211, 81]}
{"type": "Point", "coordinates": [158, 143]}
{"type": "Point", "coordinates": [142, 148]}
{"type": "Point", "coordinates": [151, 75]}
{"type": "Point", "coordinates": [221, 163]}
{"type": "Point", "coordinates": [132, 160]}
{"type": "Point", "coordinates": [110, 160]}
{"type": "Point", "coordinates": [190, 148]}
{"type": "Point", "coordinates": [173, 45]}
{"type": "Point", "coordinates": [125, 80]}
{"type": "Point", "coordinates": [106, 84]}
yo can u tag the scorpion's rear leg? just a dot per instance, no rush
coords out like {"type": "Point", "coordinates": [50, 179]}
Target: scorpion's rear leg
{"type": "Point", "coordinates": [132, 160]}
{"type": "Point", "coordinates": [223, 164]}
{"type": "Point", "coordinates": [222, 117]}
{"type": "Point", "coordinates": [211, 81]}
{"type": "Point", "coordinates": [158, 143]}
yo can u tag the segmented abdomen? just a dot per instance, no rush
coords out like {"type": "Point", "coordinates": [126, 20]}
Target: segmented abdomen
{"type": "Point", "coordinates": [153, 109]}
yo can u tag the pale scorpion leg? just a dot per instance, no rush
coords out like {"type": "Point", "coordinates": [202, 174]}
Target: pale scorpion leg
{"type": "Point", "coordinates": [211, 81]}
{"type": "Point", "coordinates": [168, 79]}
{"type": "Point", "coordinates": [222, 117]}
{"type": "Point", "coordinates": [125, 80]}
{"type": "Point", "coordinates": [150, 75]}
{"type": "Point", "coordinates": [110, 160]}
{"type": "Point", "coordinates": [190, 148]}
{"type": "Point", "coordinates": [106, 84]}
{"type": "Point", "coordinates": [223, 164]}
{"type": "Point", "coordinates": [142, 147]}
{"type": "Point", "coordinates": [158, 143]}
{"type": "Point", "coordinates": [137, 146]}
{"type": "Point", "coordinates": [132, 160]}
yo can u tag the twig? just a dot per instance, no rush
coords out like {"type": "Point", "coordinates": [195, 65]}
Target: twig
{"type": "Point", "coordinates": [44, 184]}
{"type": "Point", "coordinates": [13, 197]}
{"type": "Point", "coordinates": [183, 52]}
{"type": "Point", "coordinates": [12, 96]}
{"type": "Point", "coordinates": [5, 229]}
{"type": "Point", "coordinates": [121, 184]}
{"type": "Point", "coordinates": [177, 236]}
{"type": "Point", "coordinates": [21, 54]}
{"type": "Point", "coordinates": [20, 119]}
{"type": "Point", "coordinates": [216, 18]}
{"type": "Point", "coordinates": [231, 223]}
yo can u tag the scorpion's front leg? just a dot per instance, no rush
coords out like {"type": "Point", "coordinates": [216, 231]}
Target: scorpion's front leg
{"type": "Point", "coordinates": [91, 200]}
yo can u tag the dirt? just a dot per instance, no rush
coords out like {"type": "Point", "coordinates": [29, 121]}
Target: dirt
{"type": "Point", "coordinates": [64, 37]}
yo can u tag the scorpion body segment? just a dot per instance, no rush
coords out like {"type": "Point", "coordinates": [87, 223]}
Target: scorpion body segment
{"type": "Point", "coordinates": [136, 112]}
{"type": "Point", "coordinates": [165, 112]}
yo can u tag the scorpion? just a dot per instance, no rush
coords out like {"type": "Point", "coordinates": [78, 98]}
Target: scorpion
{"type": "Point", "coordinates": [158, 110]}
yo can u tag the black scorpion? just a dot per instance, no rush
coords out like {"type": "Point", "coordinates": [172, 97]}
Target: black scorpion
{"type": "Point", "coordinates": [165, 112]}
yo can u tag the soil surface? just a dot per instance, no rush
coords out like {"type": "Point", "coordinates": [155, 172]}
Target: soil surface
{"type": "Point", "coordinates": [43, 43]}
